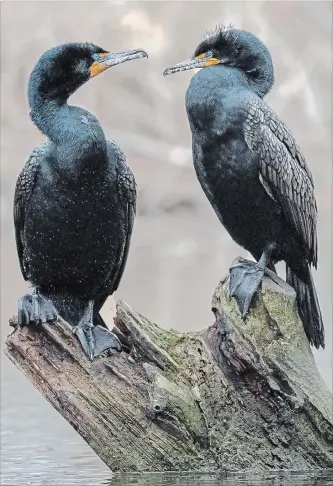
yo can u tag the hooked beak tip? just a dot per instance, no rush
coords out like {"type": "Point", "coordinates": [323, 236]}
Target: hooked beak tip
{"type": "Point", "coordinates": [143, 53]}
{"type": "Point", "coordinates": [171, 70]}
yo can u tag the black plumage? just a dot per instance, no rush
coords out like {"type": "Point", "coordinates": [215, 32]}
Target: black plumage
{"type": "Point", "coordinates": [74, 203]}
{"type": "Point", "coordinates": [251, 168]}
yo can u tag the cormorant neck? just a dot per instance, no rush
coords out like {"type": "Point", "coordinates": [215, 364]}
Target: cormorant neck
{"type": "Point", "coordinates": [261, 80]}
{"type": "Point", "coordinates": [67, 125]}
{"type": "Point", "coordinates": [228, 77]}
{"type": "Point", "coordinates": [46, 115]}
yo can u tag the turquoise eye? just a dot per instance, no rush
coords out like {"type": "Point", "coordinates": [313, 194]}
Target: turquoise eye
{"type": "Point", "coordinates": [95, 57]}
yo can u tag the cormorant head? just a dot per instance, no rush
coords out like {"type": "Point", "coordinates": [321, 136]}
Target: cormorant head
{"type": "Point", "coordinates": [235, 48]}
{"type": "Point", "coordinates": [62, 70]}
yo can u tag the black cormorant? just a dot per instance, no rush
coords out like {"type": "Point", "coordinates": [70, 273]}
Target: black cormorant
{"type": "Point", "coordinates": [74, 203]}
{"type": "Point", "coordinates": [251, 169]}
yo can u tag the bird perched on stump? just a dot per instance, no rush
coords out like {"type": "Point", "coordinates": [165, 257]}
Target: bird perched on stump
{"type": "Point", "coordinates": [251, 169]}
{"type": "Point", "coordinates": [74, 203]}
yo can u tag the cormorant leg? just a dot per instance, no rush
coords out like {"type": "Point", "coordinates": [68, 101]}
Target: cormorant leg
{"type": "Point", "coordinates": [94, 339]}
{"type": "Point", "coordinates": [246, 277]}
{"type": "Point", "coordinates": [36, 309]}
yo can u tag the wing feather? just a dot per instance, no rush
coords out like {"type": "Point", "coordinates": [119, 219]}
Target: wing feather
{"type": "Point", "coordinates": [23, 191]}
{"type": "Point", "coordinates": [126, 188]}
{"type": "Point", "coordinates": [284, 171]}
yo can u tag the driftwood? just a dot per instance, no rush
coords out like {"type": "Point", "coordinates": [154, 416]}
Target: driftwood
{"type": "Point", "coordinates": [236, 396]}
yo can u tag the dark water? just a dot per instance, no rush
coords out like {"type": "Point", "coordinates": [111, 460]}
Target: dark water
{"type": "Point", "coordinates": [38, 448]}
{"type": "Point", "coordinates": [231, 479]}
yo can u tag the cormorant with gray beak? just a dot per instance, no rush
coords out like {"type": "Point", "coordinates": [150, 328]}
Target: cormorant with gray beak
{"type": "Point", "coordinates": [75, 198]}
{"type": "Point", "coordinates": [251, 169]}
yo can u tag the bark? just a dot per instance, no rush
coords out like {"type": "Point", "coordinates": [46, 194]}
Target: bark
{"type": "Point", "coordinates": [240, 395]}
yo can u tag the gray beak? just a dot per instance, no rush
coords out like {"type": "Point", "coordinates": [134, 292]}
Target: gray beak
{"type": "Point", "coordinates": [109, 59]}
{"type": "Point", "coordinates": [113, 59]}
{"type": "Point", "coordinates": [198, 62]}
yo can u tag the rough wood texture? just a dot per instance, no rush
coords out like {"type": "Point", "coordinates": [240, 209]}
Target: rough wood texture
{"type": "Point", "coordinates": [238, 395]}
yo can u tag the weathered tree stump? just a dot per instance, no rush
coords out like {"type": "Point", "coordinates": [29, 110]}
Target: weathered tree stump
{"type": "Point", "coordinates": [236, 396]}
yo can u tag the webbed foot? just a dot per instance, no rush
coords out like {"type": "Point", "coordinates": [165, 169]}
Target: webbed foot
{"type": "Point", "coordinates": [36, 309]}
{"type": "Point", "coordinates": [95, 339]}
{"type": "Point", "coordinates": [245, 280]}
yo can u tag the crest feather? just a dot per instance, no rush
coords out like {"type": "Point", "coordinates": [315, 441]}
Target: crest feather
{"type": "Point", "coordinates": [218, 30]}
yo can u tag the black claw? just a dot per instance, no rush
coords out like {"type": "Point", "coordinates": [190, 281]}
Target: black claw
{"type": "Point", "coordinates": [91, 343]}
{"type": "Point", "coordinates": [35, 309]}
{"type": "Point", "coordinates": [104, 340]}
{"type": "Point", "coordinates": [245, 280]}
{"type": "Point", "coordinates": [96, 339]}
{"type": "Point", "coordinates": [22, 314]}
{"type": "Point", "coordinates": [85, 338]}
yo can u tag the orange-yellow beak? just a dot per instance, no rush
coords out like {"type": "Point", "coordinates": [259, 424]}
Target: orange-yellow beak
{"type": "Point", "coordinates": [203, 60]}
{"type": "Point", "coordinates": [108, 59]}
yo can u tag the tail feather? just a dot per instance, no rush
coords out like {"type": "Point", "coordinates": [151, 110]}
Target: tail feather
{"type": "Point", "coordinates": [308, 305]}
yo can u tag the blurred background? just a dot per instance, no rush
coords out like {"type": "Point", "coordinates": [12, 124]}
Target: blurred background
{"type": "Point", "coordinates": [179, 249]}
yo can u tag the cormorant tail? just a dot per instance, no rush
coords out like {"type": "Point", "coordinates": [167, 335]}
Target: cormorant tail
{"type": "Point", "coordinates": [308, 305]}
